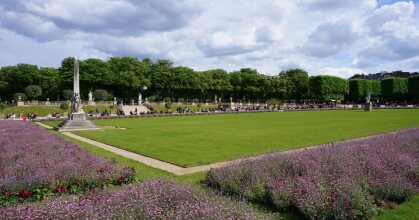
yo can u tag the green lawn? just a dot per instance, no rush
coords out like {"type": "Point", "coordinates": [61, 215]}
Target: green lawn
{"type": "Point", "coordinates": [407, 210]}
{"type": "Point", "coordinates": [160, 107]}
{"type": "Point", "coordinates": [198, 140]}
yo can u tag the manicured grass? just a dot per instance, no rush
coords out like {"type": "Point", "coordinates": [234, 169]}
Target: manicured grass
{"type": "Point", "coordinates": [198, 140]}
{"type": "Point", "coordinates": [160, 107]}
{"type": "Point", "coordinates": [42, 111]}
{"type": "Point", "coordinates": [142, 171]}
{"type": "Point", "coordinates": [407, 210]}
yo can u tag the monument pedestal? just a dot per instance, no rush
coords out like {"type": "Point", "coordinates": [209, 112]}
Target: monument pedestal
{"type": "Point", "coordinates": [368, 106]}
{"type": "Point", "coordinates": [75, 122]}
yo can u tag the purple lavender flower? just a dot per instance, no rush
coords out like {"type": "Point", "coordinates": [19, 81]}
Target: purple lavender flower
{"type": "Point", "coordinates": [154, 199]}
{"type": "Point", "coordinates": [345, 180]}
{"type": "Point", "coordinates": [32, 158]}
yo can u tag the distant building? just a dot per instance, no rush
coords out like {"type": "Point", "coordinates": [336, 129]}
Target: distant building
{"type": "Point", "coordinates": [384, 74]}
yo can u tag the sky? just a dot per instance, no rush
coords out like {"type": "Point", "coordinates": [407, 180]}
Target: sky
{"type": "Point", "coordinates": [334, 37]}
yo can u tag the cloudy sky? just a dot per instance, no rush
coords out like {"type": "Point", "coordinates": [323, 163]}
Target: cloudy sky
{"type": "Point", "coordinates": [337, 37]}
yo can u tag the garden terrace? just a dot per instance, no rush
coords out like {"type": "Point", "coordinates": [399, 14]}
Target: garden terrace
{"type": "Point", "coordinates": [347, 180]}
{"type": "Point", "coordinates": [35, 163]}
{"type": "Point", "coordinates": [154, 199]}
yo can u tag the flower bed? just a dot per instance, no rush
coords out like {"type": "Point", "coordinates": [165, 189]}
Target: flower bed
{"type": "Point", "coordinates": [35, 163]}
{"type": "Point", "coordinates": [346, 180]}
{"type": "Point", "coordinates": [154, 199]}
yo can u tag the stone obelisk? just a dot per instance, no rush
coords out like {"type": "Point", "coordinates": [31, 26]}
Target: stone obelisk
{"type": "Point", "coordinates": [77, 119]}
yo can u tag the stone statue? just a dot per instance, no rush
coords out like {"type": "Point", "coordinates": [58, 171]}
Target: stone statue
{"type": "Point", "coordinates": [76, 120]}
{"type": "Point", "coordinates": [368, 98]}
{"type": "Point", "coordinates": [368, 104]}
{"type": "Point", "coordinates": [140, 98]}
{"type": "Point", "coordinates": [90, 96]}
{"type": "Point", "coordinates": [76, 102]}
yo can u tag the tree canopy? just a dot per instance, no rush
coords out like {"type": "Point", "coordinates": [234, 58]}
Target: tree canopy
{"type": "Point", "coordinates": [124, 77]}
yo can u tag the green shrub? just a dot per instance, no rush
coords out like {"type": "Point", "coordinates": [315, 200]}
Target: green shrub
{"type": "Point", "coordinates": [22, 95]}
{"type": "Point", "coordinates": [168, 105]}
{"type": "Point", "coordinates": [33, 91]}
{"type": "Point", "coordinates": [64, 106]}
{"type": "Point", "coordinates": [100, 94]}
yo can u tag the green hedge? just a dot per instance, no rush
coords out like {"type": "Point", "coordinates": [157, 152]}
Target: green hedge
{"type": "Point", "coordinates": [361, 88]}
{"type": "Point", "coordinates": [413, 87]}
{"type": "Point", "coordinates": [326, 88]}
{"type": "Point", "coordinates": [394, 88]}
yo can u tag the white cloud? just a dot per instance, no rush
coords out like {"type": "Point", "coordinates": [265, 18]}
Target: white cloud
{"type": "Point", "coordinates": [336, 37]}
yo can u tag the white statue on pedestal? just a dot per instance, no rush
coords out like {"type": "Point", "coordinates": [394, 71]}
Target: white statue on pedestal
{"type": "Point", "coordinates": [140, 98]}
{"type": "Point", "coordinates": [90, 96]}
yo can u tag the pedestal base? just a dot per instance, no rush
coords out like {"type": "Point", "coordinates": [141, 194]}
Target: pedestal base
{"type": "Point", "coordinates": [76, 122]}
{"type": "Point", "coordinates": [368, 106]}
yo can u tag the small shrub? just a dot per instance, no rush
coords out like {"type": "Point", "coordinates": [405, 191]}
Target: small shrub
{"type": "Point", "coordinates": [22, 95]}
{"type": "Point", "coordinates": [168, 105]}
{"type": "Point", "coordinates": [100, 94]}
{"type": "Point", "coordinates": [33, 91]}
{"type": "Point", "coordinates": [65, 106]}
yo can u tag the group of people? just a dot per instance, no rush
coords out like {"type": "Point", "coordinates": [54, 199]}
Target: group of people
{"type": "Point", "coordinates": [54, 115]}
{"type": "Point", "coordinates": [98, 113]}
{"type": "Point", "coordinates": [22, 116]}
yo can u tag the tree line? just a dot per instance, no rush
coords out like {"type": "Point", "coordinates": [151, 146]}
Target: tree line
{"type": "Point", "coordinates": [124, 77]}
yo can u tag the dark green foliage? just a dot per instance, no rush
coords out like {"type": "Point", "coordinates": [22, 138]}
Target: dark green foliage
{"type": "Point", "coordinates": [64, 106]}
{"type": "Point", "coordinates": [394, 88]}
{"type": "Point", "coordinates": [125, 77]}
{"type": "Point", "coordinates": [168, 105]}
{"type": "Point", "coordinates": [100, 94]}
{"type": "Point", "coordinates": [33, 91]}
{"type": "Point", "coordinates": [413, 87]}
{"type": "Point", "coordinates": [375, 88]}
{"type": "Point", "coordinates": [2, 106]}
{"type": "Point", "coordinates": [361, 88]}
{"type": "Point", "coordinates": [67, 93]}
{"type": "Point", "coordinates": [297, 83]}
{"type": "Point", "coordinates": [326, 88]}
{"type": "Point", "coordinates": [22, 95]}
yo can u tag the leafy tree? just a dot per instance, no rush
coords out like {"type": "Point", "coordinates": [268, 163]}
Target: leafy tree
{"type": "Point", "coordinates": [66, 72]}
{"type": "Point", "coordinates": [161, 72]}
{"type": "Point", "coordinates": [94, 73]}
{"type": "Point", "coordinates": [33, 91]}
{"type": "Point", "coordinates": [129, 73]}
{"type": "Point", "coordinates": [49, 81]}
{"type": "Point", "coordinates": [361, 88]}
{"type": "Point", "coordinates": [100, 94]}
{"type": "Point", "coordinates": [184, 83]}
{"type": "Point", "coordinates": [297, 83]}
{"type": "Point", "coordinates": [326, 88]}
{"type": "Point", "coordinates": [215, 82]}
{"type": "Point", "coordinates": [22, 95]}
